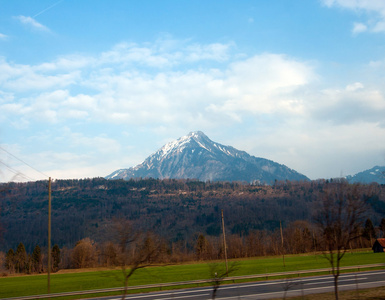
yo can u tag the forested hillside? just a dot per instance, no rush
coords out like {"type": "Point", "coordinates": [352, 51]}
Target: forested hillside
{"type": "Point", "coordinates": [177, 210]}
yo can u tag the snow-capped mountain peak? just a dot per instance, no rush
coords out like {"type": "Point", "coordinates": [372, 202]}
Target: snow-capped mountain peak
{"type": "Point", "coordinates": [182, 142]}
{"type": "Point", "coordinates": [195, 156]}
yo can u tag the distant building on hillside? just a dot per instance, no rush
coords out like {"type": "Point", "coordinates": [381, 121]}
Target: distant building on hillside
{"type": "Point", "coordinates": [379, 245]}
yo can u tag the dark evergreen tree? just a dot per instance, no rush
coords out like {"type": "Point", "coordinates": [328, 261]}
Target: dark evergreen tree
{"type": "Point", "coordinates": [369, 233]}
{"type": "Point", "coordinates": [201, 247]}
{"type": "Point", "coordinates": [37, 260]}
{"type": "Point", "coordinates": [382, 227]}
{"type": "Point", "coordinates": [20, 258]}
{"type": "Point", "coordinates": [10, 261]}
{"type": "Point", "coordinates": [55, 258]}
{"type": "Point", "coordinates": [28, 265]}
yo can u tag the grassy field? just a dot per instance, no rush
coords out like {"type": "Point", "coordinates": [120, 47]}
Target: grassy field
{"type": "Point", "coordinates": [65, 281]}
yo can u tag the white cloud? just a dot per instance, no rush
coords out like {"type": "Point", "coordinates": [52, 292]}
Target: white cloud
{"type": "Point", "coordinates": [352, 105]}
{"type": "Point", "coordinates": [355, 86]}
{"type": "Point", "coordinates": [376, 65]}
{"type": "Point", "coordinates": [32, 23]}
{"type": "Point", "coordinates": [79, 155]}
{"type": "Point", "coordinates": [66, 63]}
{"type": "Point", "coordinates": [165, 54]}
{"type": "Point", "coordinates": [320, 149]}
{"type": "Point", "coordinates": [264, 84]}
{"type": "Point", "coordinates": [96, 144]}
{"type": "Point", "coordinates": [216, 52]}
{"type": "Point", "coordinates": [132, 53]}
{"type": "Point", "coordinates": [359, 27]}
{"type": "Point", "coordinates": [35, 81]}
{"type": "Point", "coordinates": [5, 97]}
{"type": "Point", "coordinates": [26, 78]}
{"type": "Point", "coordinates": [86, 89]}
{"type": "Point", "coordinates": [3, 36]}
{"type": "Point", "coordinates": [375, 10]}
{"type": "Point", "coordinates": [379, 26]}
{"type": "Point", "coordinates": [374, 5]}
{"type": "Point", "coordinates": [260, 85]}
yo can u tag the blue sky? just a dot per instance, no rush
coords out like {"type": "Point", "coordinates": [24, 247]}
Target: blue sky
{"type": "Point", "coordinates": [88, 87]}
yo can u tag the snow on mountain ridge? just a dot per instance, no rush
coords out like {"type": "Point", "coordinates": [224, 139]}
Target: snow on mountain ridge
{"type": "Point", "coordinates": [170, 147]}
{"type": "Point", "coordinates": [196, 156]}
{"type": "Point", "coordinates": [375, 174]}
{"type": "Point", "coordinates": [181, 143]}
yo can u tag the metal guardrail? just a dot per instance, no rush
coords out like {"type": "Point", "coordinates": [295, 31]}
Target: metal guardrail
{"type": "Point", "coordinates": [192, 282]}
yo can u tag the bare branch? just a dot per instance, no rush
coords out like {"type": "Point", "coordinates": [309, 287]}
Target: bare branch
{"type": "Point", "coordinates": [339, 220]}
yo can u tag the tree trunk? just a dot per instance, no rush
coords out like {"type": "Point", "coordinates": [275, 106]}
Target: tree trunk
{"type": "Point", "coordinates": [336, 286]}
{"type": "Point", "coordinates": [125, 288]}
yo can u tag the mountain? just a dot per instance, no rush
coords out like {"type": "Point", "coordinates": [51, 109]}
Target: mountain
{"type": "Point", "coordinates": [375, 174]}
{"type": "Point", "coordinates": [195, 156]}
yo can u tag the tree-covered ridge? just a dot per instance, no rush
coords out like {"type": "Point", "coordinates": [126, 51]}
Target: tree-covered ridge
{"type": "Point", "coordinates": [174, 209]}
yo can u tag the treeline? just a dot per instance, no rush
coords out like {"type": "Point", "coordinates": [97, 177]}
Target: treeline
{"type": "Point", "coordinates": [20, 261]}
{"type": "Point", "coordinates": [175, 210]}
{"type": "Point", "coordinates": [298, 237]}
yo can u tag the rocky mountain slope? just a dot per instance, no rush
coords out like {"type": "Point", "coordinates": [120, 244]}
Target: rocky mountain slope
{"type": "Point", "coordinates": [195, 156]}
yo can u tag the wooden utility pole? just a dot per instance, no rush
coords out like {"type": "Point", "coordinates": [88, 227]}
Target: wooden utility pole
{"type": "Point", "coordinates": [224, 244]}
{"type": "Point", "coordinates": [283, 249]}
{"type": "Point", "coordinates": [315, 243]}
{"type": "Point", "coordinates": [49, 237]}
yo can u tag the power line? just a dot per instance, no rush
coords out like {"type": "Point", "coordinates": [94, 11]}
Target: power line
{"type": "Point", "coordinates": [16, 172]}
{"type": "Point", "coordinates": [1, 148]}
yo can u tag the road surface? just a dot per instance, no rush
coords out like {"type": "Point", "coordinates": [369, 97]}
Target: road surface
{"type": "Point", "coordinates": [269, 289]}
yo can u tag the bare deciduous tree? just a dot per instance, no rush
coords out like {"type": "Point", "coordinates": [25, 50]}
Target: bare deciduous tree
{"type": "Point", "coordinates": [218, 272]}
{"type": "Point", "coordinates": [339, 220]}
{"type": "Point", "coordinates": [288, 284]}
{"type": "Point", "coordinates": [109, 254]}
{"type": "Point", "coordinates": [137, 250]}
{"type": "Point", "coordinates": [84, 254]}
{"type": "Point", "coordinates": [298, 237]}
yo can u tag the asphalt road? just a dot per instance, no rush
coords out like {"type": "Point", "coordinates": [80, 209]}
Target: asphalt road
{"type": "Point", "coordinates": [271, 288]}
